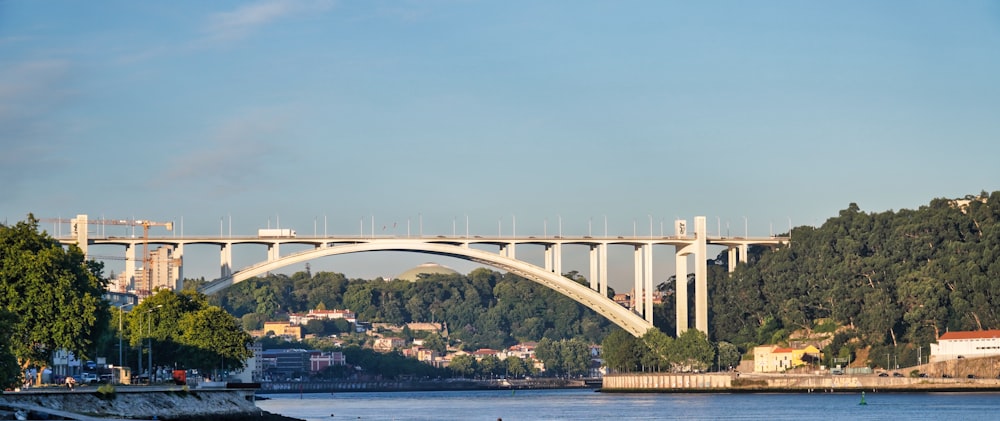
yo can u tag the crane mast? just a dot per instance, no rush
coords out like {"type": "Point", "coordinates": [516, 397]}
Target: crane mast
{"type": "Point", "coordinates": [80, 232]}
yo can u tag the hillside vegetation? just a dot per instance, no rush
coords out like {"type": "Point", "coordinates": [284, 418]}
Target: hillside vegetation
{"type": "Point", "coordinates": [482, 309]}
{"type": "Point", "coordinates": [896, 280]}
{"type": "Point", "coordinates": [882, 283]}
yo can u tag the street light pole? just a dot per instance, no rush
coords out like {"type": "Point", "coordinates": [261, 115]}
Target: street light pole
{"type": "Point", "coordinates": [121, 315]}
{"type": "Point", "coordinates": [149, 335]}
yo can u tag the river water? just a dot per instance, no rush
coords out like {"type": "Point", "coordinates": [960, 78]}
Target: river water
{"type": "Point", "coordinates": [585, 404]}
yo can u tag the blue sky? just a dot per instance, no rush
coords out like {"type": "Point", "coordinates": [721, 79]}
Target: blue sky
{"type": "Point", "coordinates": [753, 114]}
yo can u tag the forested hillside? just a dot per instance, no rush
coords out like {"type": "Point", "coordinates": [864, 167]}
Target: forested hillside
{"type": "Point", "coordinates": [483, 309]}
{"type": "Point", "coordinates": [889, 282]}
{"type": "Point", "coordinates": [896, 279]}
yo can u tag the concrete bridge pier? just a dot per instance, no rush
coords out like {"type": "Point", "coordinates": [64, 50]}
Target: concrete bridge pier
{"type": "Point", "coordinates": [226, 260]}
{"type": "Point", "coordinates": [699, 248]}
{"type": "Point", "coordinates": [736, 254]}
{"type": "Point", "coordinates": [130, 264]}
{"type": "Point", "coordinates": [178, 256]}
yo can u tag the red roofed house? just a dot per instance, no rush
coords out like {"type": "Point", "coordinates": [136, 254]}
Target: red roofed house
{"type": "Point", "coordinates": [966, 344]}
{"type": "Point", "coordinates": [484, 352]}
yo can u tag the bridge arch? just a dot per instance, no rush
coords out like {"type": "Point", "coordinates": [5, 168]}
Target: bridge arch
{"type": "Point", "coordinates": [604, 306]}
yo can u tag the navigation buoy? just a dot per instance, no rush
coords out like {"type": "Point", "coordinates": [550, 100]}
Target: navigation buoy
{"type": "Point", "coordinates": [863, 399]}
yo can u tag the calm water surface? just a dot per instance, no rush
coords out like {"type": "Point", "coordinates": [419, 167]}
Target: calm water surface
{"type": "Point", "coordinates": [589, 405]}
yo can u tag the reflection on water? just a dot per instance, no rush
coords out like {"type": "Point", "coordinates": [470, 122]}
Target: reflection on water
{"type": "Point", "coordinates": [588, 405]}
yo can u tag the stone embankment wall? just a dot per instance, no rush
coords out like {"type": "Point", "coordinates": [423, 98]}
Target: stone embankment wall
{"type": "Point", "coordinates": [176, 404]}
{"type": "Point", "coordinates": [789, 383]}
{"type": "Point", "coordinates": [667, 381]}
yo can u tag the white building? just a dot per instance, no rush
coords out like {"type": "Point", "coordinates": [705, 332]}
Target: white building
{"type": "Point", "coordinates": [954, 345]}
{"type": "Point", "coordinates": [254, 370]}
{"type": "Point", "coordinates": [301, 319]}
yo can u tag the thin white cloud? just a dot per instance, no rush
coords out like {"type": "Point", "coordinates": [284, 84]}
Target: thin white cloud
{"type": "Point", "coordinates": [239, 23]}
{"type": "Point", "coordinates": [31, 92]}
{"type": "Point", "coordinates": [236, 155]}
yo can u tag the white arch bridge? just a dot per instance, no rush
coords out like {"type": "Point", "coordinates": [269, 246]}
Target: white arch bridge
{"type": "Point", "coordinates": [636, 321]}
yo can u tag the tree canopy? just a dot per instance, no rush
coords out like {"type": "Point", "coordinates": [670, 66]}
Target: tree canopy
{"type": "Point", "coordinates": [484, 309]}
{"type": "Point", "coordinates": [894, 279]}
{"type": "Point", "coordinates": [185, 329]}
{"type": "Point", "coordinates": [53, 296]}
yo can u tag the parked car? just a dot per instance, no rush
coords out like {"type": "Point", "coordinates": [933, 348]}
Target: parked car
{"type": "Point", "coordinates": [883, 374]}
{"type": "Point", "coordinates": [87, 378]}
{"type": "Point", "coordinates": [897, 374]}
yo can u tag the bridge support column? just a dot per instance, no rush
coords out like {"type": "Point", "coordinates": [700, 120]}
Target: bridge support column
{"type": "Point", "coordinates": [178, 258]}
{"type": "Point", "coordinates": [593, 267]}
{"type": "Point", "coordinates": [602, 257]}
{"type": "Point", "coordinates": [78, 229]}
{"type": "Point", "coordinates": [637, 294]}
{"type": "Point", "coordinates": [507, 250]}
{"type": "Point", "coordinates": [738, 253]}
{"type": "Point", "coordinates": [273, 252]}
{"type": "Point", "coordinates": [129, 265]}
{"type": "Point", "coordinates": [548, 257]}
{"type": "Point", "coordinates": [648, 281]}
{"type": "Point", "coordinates": [226, 260]}
{"type": "Point", "coordinates": [557, 258]}
{"type": "Point", "coordinates": [681, 291]}
{"type": "Point", "coordinates": [701, 275]}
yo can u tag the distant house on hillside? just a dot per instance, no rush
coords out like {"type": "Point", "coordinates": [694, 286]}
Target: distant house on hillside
{"type": "Point", "coordinates": [484, 352]}
{"type": "Point", "coordinates": [387, 344]}
{"type": "Point", "coordinates": [965, 344]}
{"type": "Point", "coordinates": [773, 358]}
{"type": "Point", "coordinates": [303, 318]}
{"type": "Point", "coordinates": [283, 329]}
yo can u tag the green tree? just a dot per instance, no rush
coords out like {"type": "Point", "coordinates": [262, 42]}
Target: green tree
{"type": "Point", "coordinates": [184, 329]}
{"type": "Point", "coordinates": [729, 355]}
{"type": "Point", "coordinates": [659, 347]}
{"type": "Point", "coordinates": [489, 366]}
{"type": "Point", "coordinates": [621, 352]}
{"type": "Point", "coordinates": [516, 368]}
{"type": "Point", "coordinates": [463, 365]}
{"type": "Point", "coordinates": [692, 350]}
{"type": "Point", "coordinates": [214, 339]}
{"type": "Point", "coordinates": [253, 321]}
{"type": "Point", "coordinates": [53, 293]}
{"type": "Point", "coordinates": [10, 370]}
{"type": "Point", "coordinates": [315, 327]}
{"type": "Point", "coordinates": [549, 352]}
{"type": "Point", "coordinates": [435, 342]}
{"type": "Point", "coordinates": [575, 355]}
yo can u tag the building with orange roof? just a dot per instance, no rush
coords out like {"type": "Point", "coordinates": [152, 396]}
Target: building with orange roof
{"type": "Point", "coordinates": [773, 358]}
{"type": "Point", "coordinates": [966, 344]}
{"type": "Point", "coordinates": [484, 352]}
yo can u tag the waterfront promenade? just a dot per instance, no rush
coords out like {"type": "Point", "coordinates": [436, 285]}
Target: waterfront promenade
{"type": "Point", "coordinates": [135, 402]}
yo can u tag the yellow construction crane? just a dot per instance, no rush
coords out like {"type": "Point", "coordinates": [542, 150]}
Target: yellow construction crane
{"type": "Point", "coordinates": [147, 260]}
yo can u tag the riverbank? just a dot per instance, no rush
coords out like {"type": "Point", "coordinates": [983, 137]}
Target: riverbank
{"type": "Point", "coordinates": [423, 385]}
{"type": "Point", "coordinates": [789, 383]}
{"type": "Point", "coordinates": [156, 402]}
